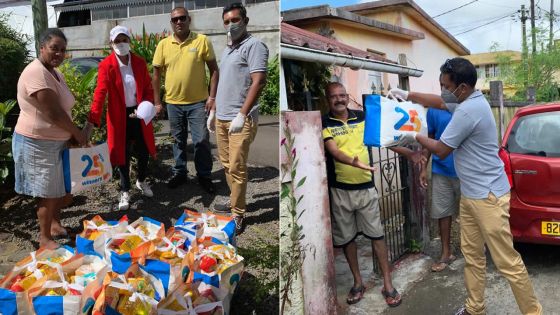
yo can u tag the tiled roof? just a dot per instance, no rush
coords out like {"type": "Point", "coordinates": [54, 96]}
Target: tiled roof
{"type": "Point", "coordinates": [299, 37]}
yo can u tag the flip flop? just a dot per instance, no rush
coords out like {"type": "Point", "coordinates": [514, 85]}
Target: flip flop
{"type": "Point", "coordinates": [392, 299]}
{"type": "Point", "coordinates": [444, 263]}
{"type": "Point", "coordinates": [355, 295]}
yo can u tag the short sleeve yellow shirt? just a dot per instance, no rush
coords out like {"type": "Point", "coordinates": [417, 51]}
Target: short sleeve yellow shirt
{"type": "Point", "coordinates": [184, 66]}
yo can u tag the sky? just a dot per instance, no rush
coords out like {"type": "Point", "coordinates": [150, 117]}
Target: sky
{"type": "Point", "coordinates": [505, 32]}
{"type": "Point", "coordinates": [21, 19]}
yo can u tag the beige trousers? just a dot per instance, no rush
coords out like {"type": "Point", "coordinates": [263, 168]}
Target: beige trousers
{"type": "Point", "coordinates": [233, 150]}
{"type": "Point", "coordinates": [486, 221]}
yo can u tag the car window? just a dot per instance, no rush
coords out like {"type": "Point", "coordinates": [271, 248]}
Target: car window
{"type": "Point", "coordinates": [537, 134]}
{"type": "Point", "coordinates": [85, 64]}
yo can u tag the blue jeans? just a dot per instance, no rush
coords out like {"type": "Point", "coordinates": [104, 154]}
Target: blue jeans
{"type": "Point", "coordinates": [181, 117]}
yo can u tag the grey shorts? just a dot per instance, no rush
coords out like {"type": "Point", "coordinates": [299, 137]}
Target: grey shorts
{"type": "Point", "coordinates": [355, 212]}
{"type": "Point", "coordinates": [38, 166]}
{"type": "Point", "coordinates": [446, 194]}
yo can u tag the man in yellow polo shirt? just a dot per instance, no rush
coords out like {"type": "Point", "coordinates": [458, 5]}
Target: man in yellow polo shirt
{"type": "Point", "coordinates": [353, 197]}
{"type": "Point", "coordinates": [182, 58]}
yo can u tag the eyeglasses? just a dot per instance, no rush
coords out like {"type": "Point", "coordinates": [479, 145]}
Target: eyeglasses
{"type": "Point", "coordinates": [181, 19]}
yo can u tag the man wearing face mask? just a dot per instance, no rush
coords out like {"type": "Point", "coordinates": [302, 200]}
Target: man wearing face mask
{"type": "Point", "coordinates": [124, 78]}
{"type": "Point", "coordinates": [484, 206]}
{"type": "Point", "coordinates": [243, 67]}
{"type": "Point", "coordinates": [183, 58]}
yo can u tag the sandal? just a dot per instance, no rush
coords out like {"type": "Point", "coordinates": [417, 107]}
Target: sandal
{"type": "Point", "coordinates": [355, 294]}
{"type": "Point", "coordinates": [442, 264]}
{"type": "Point", "coordinates": [392, 299]}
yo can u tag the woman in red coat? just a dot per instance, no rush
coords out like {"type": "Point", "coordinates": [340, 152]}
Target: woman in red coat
{"type": "Point", "coordinates": [124, 78]}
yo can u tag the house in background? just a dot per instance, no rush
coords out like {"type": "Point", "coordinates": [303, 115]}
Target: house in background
{"type": "Point", "coordinates": [301, 48]}
{"type": "Point", "coordinates": [393, 29]}
{"type": "Point", "coordinates": [86, 23]}
{"type": "Point", "coordinates": [488, 68]}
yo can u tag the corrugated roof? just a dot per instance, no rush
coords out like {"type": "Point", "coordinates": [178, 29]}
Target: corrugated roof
{"type": "Point", "coordinates": [98, 4]}
{"type": "Point", "coordinates": [299, 37]}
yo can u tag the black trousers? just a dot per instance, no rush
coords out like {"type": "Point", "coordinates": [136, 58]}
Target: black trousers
{"type": "Point", "coordinates": [134, 144]}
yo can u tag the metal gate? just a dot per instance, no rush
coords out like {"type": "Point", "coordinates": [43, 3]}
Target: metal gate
{"type": "Point", "coordinates": [392, 184]}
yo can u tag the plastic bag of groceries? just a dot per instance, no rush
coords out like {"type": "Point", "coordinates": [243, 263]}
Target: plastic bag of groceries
{"type": "Point", "coordinates": [133, 293]}
{"type": "Point", "coordinates": [192, 299]}
{"type": "Point", "coordinates": [387, 120]}
{"type": "Point", "coordinates": [165, 260]}
{"type": "Point", "coordinates": [26, 272]}
{"type": "Point", "coordinates": [70, 289]}
{"type": "Point", "coordinates": [148, 228]}
{"type": "Point", "coordinates": [208, 224]}
{"type": "Point", "coordinates": [96, 233]}
{"type": "Point", "coordinates": [124, 249]}
{"type": "Point", "coordinates": [216, 265]}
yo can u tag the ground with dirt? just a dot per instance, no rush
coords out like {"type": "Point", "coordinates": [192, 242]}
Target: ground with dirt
{"type": "Point", "coordinates": [258, 243]}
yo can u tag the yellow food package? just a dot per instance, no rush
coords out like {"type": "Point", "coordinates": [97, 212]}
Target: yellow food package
{"type": "Point", "coordinates": [129, 244]}
{"type": "Point", "coordinates": [93, 235]}
{"type": "Point", "coordinates": [55, 292]}
{"type": "Point", "coordinates": [57, 259]}
{"type": "Point", "coordinates": [143, 286]}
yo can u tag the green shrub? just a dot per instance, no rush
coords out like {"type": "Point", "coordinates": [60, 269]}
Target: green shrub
{"type": "Point", "coordinates": [14, 56]}
{"type": "Point", "coordinates": [145, 45]}
{"type": "Point", "coordinates": [82, 87]}
{"type": "Point", "coordinates": [6, 160]}
{"type": "Point", "coordinates": [269, 100]}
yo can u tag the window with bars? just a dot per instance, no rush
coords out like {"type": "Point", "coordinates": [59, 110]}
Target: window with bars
{"type": "Point", "coordinates": [161, 8]}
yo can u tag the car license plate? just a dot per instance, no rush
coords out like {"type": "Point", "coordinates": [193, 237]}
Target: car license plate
{"type": "Point", "coordinates": [550, 228]}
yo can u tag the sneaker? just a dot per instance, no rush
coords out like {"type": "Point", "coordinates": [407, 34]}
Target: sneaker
{"type": "Point", "coordinates": [207, 185]}
{"type": "Point", "coordinates": [238, 224]}
{"type": "Point", "coordinates": [222, 208]}
{"type": "Point", "coordinates": [176, 181]}
{"type": "Point", "coordinates": [145, 188]}
{"type": "Point", "coordinates": [124, 202]}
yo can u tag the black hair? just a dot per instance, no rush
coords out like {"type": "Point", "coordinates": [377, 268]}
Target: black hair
{"type": "Point", "coordinates": [239, 6]}
{"type": "Point", "coordinates": [180, 8]}
{"type": "Point", "coordinates": [460, 70]}
{"type": "Point", "coordinates": [49, 33]}
{"type": "Point", "coordinates": [332, 85]}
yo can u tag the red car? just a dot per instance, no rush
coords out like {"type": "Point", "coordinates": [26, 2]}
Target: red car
{"type": "Point", "coordinates": [531, 154]}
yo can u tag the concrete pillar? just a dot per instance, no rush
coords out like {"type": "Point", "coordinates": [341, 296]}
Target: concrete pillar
{"type": "Point", "coordinates": [317, 273]}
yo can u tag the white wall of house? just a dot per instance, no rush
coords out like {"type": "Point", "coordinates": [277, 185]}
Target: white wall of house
{"type": "Point", "coordinates": [264, 22]}
{"type": "Point", "coordinates": [425, 54]}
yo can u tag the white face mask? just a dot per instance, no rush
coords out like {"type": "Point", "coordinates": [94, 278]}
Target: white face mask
{"type": "Point", "coordinates": [121, 49]}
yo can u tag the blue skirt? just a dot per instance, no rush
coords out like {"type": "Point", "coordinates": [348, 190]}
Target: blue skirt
{"type": "Point", "coordinates": [38, 166]}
